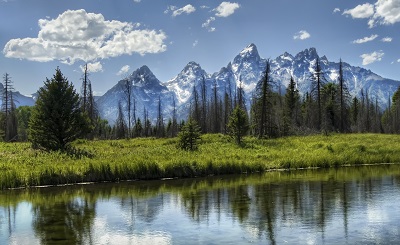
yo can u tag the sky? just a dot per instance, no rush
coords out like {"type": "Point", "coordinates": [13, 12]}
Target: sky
{"type": "Point", "coordinates": [117, 37]}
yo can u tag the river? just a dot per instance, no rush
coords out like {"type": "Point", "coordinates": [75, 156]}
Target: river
{"type": "Point", "coordinates": [349, 205]}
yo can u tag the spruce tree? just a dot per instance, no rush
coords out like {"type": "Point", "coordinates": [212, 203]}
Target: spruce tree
{"type": "Point", "coordinates": [238, 124]}
{"type": "Point", "coordinates": [189, 135]}
{"type": "Point", "coordinates": [57, 118]}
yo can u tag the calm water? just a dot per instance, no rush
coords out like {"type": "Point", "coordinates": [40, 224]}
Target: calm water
{"type": "Point", "coordinates": [344, 206]}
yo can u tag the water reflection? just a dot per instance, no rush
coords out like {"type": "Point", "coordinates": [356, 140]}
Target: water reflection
{"type": "Point", "coordinates": [348, 205]}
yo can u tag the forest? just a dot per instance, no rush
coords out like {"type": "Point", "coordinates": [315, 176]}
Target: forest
{"type": "Point", "coordinates": [327, 107]}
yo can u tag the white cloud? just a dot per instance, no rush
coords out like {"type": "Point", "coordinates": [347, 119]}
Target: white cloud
{"type": "Point", "coordinates": [207, 24]}
{"type": "Point", "coordinates": [195, 43]}
{"type": "Point", "coordinates": [93, 67]}
{"type": "Point", "coordinates": [123, 70]}
{"type": "Point", "coordinates": [226, 9]}
{"type": "Point", "coordinates": [302, 35]}
{"type": "Point", "coordinates": [186, 9]}
{"type": "Point", "coordinates": [387, 39]}
{"type": "Point", "coordinates": [204, 7]}
{"type": "Point", "coordinates": [360, 11]}
{"type": "Point", "coordinates": [386, 12]}
{"type": "Point", "coordinates": [372, 57]}
{"type": "Point", "coordinates": [78, 35]}
{"type": "Point", "coordinates": [137, 1]}
{"type": "Point", "coordinates": [336, 10]}
{"type": "Point", "coordinates": [365, 39]}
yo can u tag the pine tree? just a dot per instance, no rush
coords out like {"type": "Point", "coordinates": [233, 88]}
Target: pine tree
{"type": "Point", "coordinates": [189, 136]}
{"type": "Point", "coordinates": [262, 105]}
{"type": "Point", "coordinates": [317, 82]}
{"type": "Point", "coordinates": [238, 124]}
{"type": "Point", "coordinates": [57, 118]}
{"type": "Point", "coordinates": [120, 125]}
{"type": "Point", "coordinates": [292, 107]}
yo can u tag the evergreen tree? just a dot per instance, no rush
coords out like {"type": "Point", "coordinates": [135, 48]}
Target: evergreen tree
{"type": "Point", "coordinates": [57, 118]}
{"type": "Point", "coordinates": [262, 111]}
{"type": "Point", "coordinates": [292, 107]}
{"type": "Point", "coordinates": [238, 124]}
{"type": "Point", "coordinates": [189, 136]}
{"type": "Point", "coordinates": [344, 97]}
{"type": "Point", "coordinates": [317, 82]}
{"type": "Point", "coordinates": [120, 125]}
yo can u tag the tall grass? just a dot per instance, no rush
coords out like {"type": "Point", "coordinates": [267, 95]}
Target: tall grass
{"type": "Point", "coordinates": [149, 158]}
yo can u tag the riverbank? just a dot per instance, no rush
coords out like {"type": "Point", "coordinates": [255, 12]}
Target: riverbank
{"type": "Point", "coordinates": [148, 158]}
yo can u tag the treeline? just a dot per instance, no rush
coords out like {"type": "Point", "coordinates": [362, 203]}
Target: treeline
{"type": "Point", "coordinates": [326, 107]}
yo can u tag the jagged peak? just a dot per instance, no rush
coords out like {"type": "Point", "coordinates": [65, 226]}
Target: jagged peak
{"type": "Point", "coordinates": [192, 66]}
{"type": "Point", "coordinates": [310, 53]}
{"type": "Point", "coordinates": [250, 49]}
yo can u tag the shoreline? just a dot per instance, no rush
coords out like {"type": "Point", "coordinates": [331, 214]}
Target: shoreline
{"type": "Point", "coordinates": [159, 159]}
{"type": "Point", "coordinates": [195, 177]}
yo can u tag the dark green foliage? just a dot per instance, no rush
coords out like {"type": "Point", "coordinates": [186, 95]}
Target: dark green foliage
{"type": "Point", "coordinates": [292, 108]}
{"type": "Point", "coordinates": [189, 136]}
{"type": "Point", "coordinates": [238, 124]}
{"type": "Point", "coordinates": [57, 119]}
{"type": "Point", "coordinates": [23, 116]}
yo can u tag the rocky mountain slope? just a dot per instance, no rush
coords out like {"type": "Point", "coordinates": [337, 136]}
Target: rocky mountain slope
{"type": "Point", "coordinates": [246, 69]}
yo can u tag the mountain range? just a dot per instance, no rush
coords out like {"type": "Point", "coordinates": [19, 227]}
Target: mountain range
{"type": "Point", "coordinates": [246, 69]}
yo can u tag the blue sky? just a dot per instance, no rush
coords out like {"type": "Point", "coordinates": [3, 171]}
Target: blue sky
{"type": "Point", "coordinates": [117, 37]}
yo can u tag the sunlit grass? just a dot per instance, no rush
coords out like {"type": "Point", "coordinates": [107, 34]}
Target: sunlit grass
{"type": "Point", "coordinates": [149, 158]}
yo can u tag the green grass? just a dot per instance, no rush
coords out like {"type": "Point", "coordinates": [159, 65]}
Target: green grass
{"type": "Point", "coordinates": [148, 158]}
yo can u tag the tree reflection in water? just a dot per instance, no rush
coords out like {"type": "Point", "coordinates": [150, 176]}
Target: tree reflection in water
{"type": "Point", "coordinates": [272, 208]}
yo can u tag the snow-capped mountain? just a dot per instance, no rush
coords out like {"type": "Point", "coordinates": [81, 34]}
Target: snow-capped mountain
{"type": "Point", "coordinates": [246, 70]}
{"type": "Point", "coordinates": [147, 90]}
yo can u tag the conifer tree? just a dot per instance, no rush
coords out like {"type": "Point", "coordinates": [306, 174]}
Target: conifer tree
{"type": "Point", "coordinates": [317, 82]}
{"type": "Point", "coordinates": [292, 107]}
{"type": "Point", "coordinates": [120, 125]}
{"type": "Point", "coordinates": [189, 136]}
{"type": "Point", "coordinates": [238, 124]}
{"type": "Point", "coordinates": [57, 118]}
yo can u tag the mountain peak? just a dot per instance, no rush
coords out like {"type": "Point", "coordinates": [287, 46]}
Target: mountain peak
{"type": "Point", "coordinates": [143, 76]}
{"type": "Point", "coordinates": [250, 50]}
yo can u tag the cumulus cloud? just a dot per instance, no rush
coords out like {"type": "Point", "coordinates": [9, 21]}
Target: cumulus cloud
{"type": "Point", "coordinates": [207, 24]}
{"type": "Point", "coordinates": [93, 67]}
{"type": "Point", "coordinates": [186, 9]}
{"type": "Point", "coordinates": [226, 9]}
{"type": "Point", "coordinates": [195, 43]}
{"type": "Point", "coordinates": [78, 35]}
{"type": "Point", "coordinates": [123, 70]}
{"type": "Point", "coordinates": [365, 39]}
{"type": "Point", "coordinates": [384, 12]}
{"type": "Point", "coordinates": [387, 39]}
{"type": "Point", "coordinates": [336, 10]}
{"type": "Point", "coordinates": [137, 1]}
{"type": "Point", "coordinates": [302, 35]}
{"type": "Point", "coordinates": [360, 11]}
{"type": "Point", "coordinates": [372, 57]}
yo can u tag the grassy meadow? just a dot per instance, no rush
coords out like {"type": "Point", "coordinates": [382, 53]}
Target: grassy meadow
{"type": "Point", "coordinates": [149, 158]}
